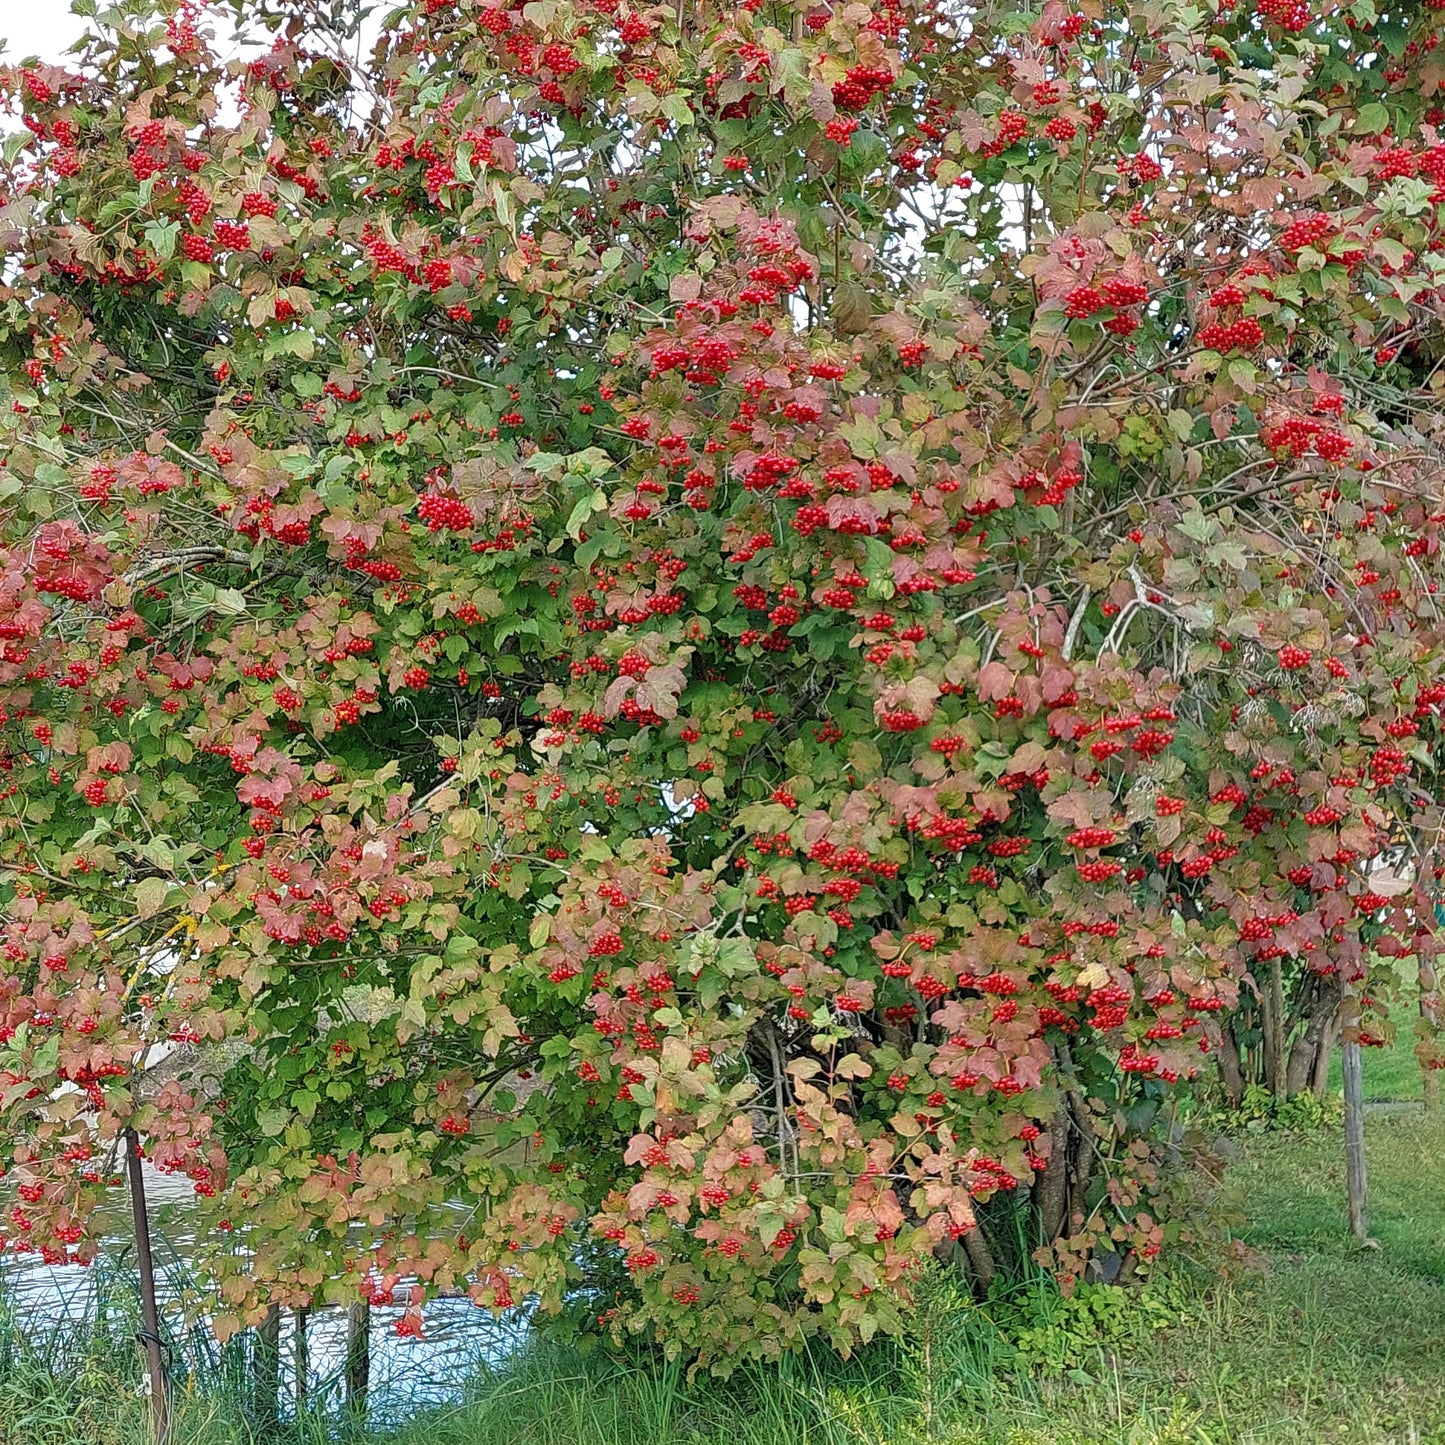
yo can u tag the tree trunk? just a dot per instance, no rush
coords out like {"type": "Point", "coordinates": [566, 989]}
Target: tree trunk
{"type": "Point", "coordinates": [1304, 1055]}
{"type": "Point", "coordinates": [1231, 1068]}
{"type": "Point", "coordinates": [980, 1259]}
{"type": "Point", "coordinates": [1081, 1167]}
{"type": "Point", "coordinates": [1079, 1133]}
{"type": "Point", "coordinates": [1272, 1003]}
{"type": "Point", "coordinates": [1320, 1081]}
{"type": "Point", "coordinates": [1051, 1189]}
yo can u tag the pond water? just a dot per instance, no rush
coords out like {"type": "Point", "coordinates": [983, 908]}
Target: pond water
{"type": "Point", "coordinates": [53, 1306]}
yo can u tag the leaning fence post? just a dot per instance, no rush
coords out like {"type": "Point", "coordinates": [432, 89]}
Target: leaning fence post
{"type": "Point", "coordinates": [358, 1358]}
{"type": "Point", "coordinates": [1430, 1012]}
{"type": "Point", "coordinates": [301, 1359]}
{"type": "Point", "coordinates": [149, 1335]}
{"type": "Point", "coordinates": [268, 1366]}
{"type": "Point", "coordinates": [1355, 1135]}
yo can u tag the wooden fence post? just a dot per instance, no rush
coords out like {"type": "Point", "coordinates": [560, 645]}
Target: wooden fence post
{"type": "Point", "coordinates": [267, 1368]}
{"type": "Point", "coordinates": [1429, 1010]}
{"type": "Point", "coordinates": [301, 1360]}
{"type": "Point", "coordinates": [150, 1332]}
{"type": "Point", "coordinates": [358, 1358]}
{"type": "Point", "coordinates": [1355, 1135]}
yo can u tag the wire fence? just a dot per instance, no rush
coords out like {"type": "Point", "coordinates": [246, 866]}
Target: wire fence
{"type": "Point", "coordinates": [307, 1363]}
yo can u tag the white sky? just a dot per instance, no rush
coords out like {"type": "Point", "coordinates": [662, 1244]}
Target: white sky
{"type": "Point", "coordinates": [38, 27]}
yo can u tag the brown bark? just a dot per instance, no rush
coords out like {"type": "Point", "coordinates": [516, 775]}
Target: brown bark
{"type": "Point", "coordinates": [1272, 1012]}
{"type": "Point", "coordinates": [1051, 1189]}
{"type": "Point", "coordinates": [1307, 1047]}
{"type": "Point", "coordinates": [1081, 1164]}
{"type": "Point", "coordinates": [1231, 1068]}
{"type": "Point", "coordinates": [150, 1332]}
{"type": "Point", "coordinates": [1079, 1134]}
{"type": "Point", "coordinates": [1320, 1081]}
{"type": "Point", "coordinates": [980, 1259]}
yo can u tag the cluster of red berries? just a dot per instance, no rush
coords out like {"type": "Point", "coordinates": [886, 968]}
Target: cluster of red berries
{"type": "Point", "coordinates": [234, 235]}
{"type": "Point", "coordinates": [1242, 335]}
{"type": "Point", "coordinates": [441, 513]}
{"type": "Point", "coordinates": [1306, 232]}
{"type": "Point", "coordinates": [1131, 1061]}
{"type": "Point", "coordinates": [1083, 302]}
{"type": "Point", "coordinates": [77, 589]}
{"type": "Point", "coordinates": [900, 720]}
{"type": "Point", "coordinates": [561, 59]}
{"type": "Point", "coordinates": [1292, 16]}
{"type": "Point", "coordinates": [1299, 435]}
{"type": "Point", "coordinates": [1120, 291]}
{"type": "Point", "coordinates": [1387, 764]}
{"type": "Point", "coordinates": [1013, 126]}
{"type": "Point", "coordinates": [860, 85]}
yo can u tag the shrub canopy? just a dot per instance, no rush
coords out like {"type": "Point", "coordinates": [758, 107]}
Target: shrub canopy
{"type": "Point", "coordinates": [692, 649]}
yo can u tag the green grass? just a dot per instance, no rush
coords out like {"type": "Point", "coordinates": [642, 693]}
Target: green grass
{"type": "Point", "coordinates": [1391, 1072]}
{"type": "Point", "coordinates": [1295, 1338]}
{"type": "Point", "coordinates": [1304, 1340]}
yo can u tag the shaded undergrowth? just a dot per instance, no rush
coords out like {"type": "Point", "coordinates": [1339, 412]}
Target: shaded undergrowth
{"type": "Point", "coordinates": [1295, 1338]}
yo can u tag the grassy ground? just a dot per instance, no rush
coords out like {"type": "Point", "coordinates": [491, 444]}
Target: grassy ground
{"type": "Point", "coordinates": [1391, 1072]}
{"type": "Point", "coordinates": [1304, 1340]}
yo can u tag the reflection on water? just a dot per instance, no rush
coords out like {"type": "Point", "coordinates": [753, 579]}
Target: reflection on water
{"type": "Point", "coordinates": [49, 1303]}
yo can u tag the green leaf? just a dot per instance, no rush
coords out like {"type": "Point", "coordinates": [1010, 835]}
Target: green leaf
{"type": "Point", "coordinates": [596, 502]}
{"type": "Point", "coordinates": [464, 822]}
{"type": "Point", "coordinates": [150, 896]}
{"type": "Point", "coordinates": [710, 988]}
{"type": "Point", "coordinates": [228, 602]}
{"type": "Point", "coordinates": [1243, 373]}
{"type": "Point", "coordinates": [161, 237]}
{"type": "Point", "coordinates": [675, 107]}
{"type": "Point", "coordinates": [1372, 119]}
{"type": "Point", "coordinates": [502, 204]}
{"type": "Point", "coordinates": [272, 1122]}
{"type": "Point", "coordinates": [851, 309]}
